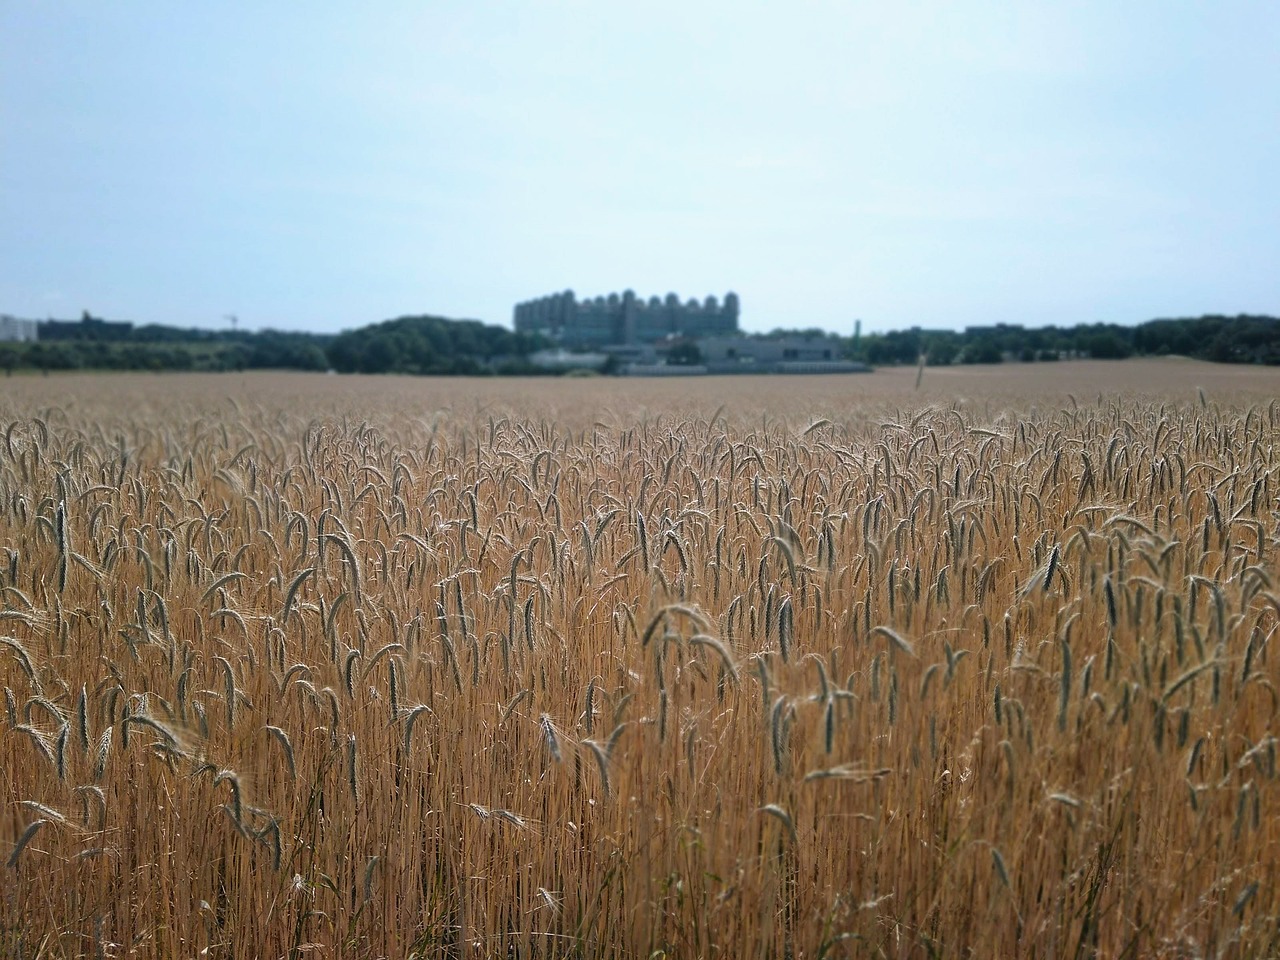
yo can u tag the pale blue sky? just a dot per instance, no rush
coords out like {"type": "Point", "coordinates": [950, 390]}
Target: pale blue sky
{"type": "Point", "coordinates": [321, 167]}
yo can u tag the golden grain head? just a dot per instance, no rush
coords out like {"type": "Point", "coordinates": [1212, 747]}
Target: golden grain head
{"type": "Point", "coordinates": [407, 667]}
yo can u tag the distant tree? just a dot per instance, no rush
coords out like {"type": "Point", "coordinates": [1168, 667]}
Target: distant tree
{"type": "Point", "coordinates": [893, 347]}
{"type": "Point", "coordinates": [807, 333]}
{"type": "Point", "coordinates": [982, 350]}
{"type": "Point", "coordinates": [273, 349]}
{"type": "Point", "coordinates": [941, 349]}
{"type": "Point", "coordinates": [54, 356]}
{"type": "Point", "coordinates": [684, 353]}
{"type": "Point", "coordinates": [1106, 345]}
{"type": "Point", "coordinates": [430, 345]}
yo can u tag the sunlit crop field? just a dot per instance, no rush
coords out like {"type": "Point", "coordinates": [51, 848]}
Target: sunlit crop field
{"type": "Point", "coordinates": [307, 666]}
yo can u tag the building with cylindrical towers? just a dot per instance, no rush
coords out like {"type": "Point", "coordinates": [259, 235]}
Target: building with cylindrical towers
{"type": "Point", "coordinates": [625, 319]}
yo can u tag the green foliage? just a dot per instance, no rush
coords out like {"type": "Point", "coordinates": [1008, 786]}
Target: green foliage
{"type": "Point", "coordinates": [894, 347]}
{"type": "Point", "coordinates": [429, 345]}
{"type": "Point", "coordinates": [407, 345]}
{"type": "Point", "coordinates": [982, 350]}
{"type": "Point", "coordinates": [684, 353]}
{"type": "Point", "coordinates": [291, 351]}
{"type": "Point", "coordinates": [1242, 339]}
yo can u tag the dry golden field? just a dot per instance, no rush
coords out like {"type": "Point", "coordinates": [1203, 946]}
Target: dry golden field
{"type": "Point", "coordinates": [307, 666]}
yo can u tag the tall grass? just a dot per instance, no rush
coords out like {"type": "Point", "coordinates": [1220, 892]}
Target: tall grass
{"type": "Point", "coordinates": [931, 682]}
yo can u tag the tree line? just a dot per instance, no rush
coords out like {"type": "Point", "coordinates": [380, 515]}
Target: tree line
{"type": "Point", "coordinates": [439, 346]}
{"type": "Point", "coordinates": [416, 344]}
{"type": "Point", "coordinates": [1222, 339]}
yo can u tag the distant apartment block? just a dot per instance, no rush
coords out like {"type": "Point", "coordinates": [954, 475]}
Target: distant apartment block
{"type": "Point", "coordinates": [12, 328]}
{"type": "Point", "coordinates": [620, 319]}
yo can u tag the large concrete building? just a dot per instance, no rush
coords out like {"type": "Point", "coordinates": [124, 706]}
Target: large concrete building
{"type": "Point", "coordinates": [625, 319]}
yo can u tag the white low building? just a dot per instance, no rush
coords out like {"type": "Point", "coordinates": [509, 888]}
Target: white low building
{"type": "Point", "coordinates": [565, 360]}
{"type": "Point", "coordinates": [12, 328]}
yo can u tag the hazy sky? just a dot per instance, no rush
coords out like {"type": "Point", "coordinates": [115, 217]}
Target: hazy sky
{"type": "Point", "coordinates": [318, 166]}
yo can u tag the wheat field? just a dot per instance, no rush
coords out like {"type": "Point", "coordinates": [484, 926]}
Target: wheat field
{"type": "Point", "coordinates": [306, 666]}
